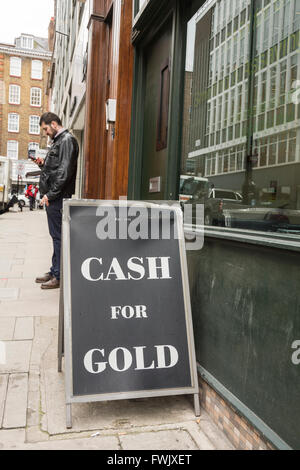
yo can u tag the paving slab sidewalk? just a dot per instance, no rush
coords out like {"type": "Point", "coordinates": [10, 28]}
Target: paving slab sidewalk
{"type": "Point", "coordinates": [32, 392]}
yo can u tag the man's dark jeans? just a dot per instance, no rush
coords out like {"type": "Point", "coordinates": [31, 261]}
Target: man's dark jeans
{"type": "Point", "coordinates": [32, 202]}
{"type": "Point", "coordinates": [54, 215]}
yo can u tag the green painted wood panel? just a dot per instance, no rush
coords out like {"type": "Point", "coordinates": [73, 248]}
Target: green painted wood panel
{"type": "Point", "coordinates": [154, 162]}
{"type": "Point", "coordinates": [246, 314]}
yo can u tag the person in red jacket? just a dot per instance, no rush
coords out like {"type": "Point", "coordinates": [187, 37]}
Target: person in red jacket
{"type": "Point", "coordinates": [31, 194]}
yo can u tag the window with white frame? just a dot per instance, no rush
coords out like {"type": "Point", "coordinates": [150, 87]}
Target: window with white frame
{"type": "Point", "coordinates": [15, 66]}
{"type": "Point", "coordinates": [12, 149]}
{"type": "Point", "coordinates": [13, 122]}
{"type": "Point", "coordinates": [33, 146]}
{"type": "Point", "coordinates": [35, 97]}
{"type": "Point", "coordinates": [37, 69]}
{"type": "Point", "coordinates": [34, 124]}
{"type": "Point", "coordinates": [14, 94]}
{"type": "Point", "coordinates": [26, 42]}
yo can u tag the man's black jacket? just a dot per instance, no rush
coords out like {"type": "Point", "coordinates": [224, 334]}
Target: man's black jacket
{"type": "Point", "coordinates": [58, 173]}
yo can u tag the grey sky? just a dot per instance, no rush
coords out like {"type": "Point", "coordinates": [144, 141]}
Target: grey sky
{"type": "Point", "coordinates": [24, 16]}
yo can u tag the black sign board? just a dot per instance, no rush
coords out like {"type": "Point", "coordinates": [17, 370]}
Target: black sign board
{"type": "Point", "coordinates": [127, 317]}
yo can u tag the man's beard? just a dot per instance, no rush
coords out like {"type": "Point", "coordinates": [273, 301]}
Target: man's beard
{"type": "Point", "coordinates": [53, 133]}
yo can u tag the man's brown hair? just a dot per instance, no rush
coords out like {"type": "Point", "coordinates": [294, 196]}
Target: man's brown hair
{"type": "Point", "coordinates": [47, 118]}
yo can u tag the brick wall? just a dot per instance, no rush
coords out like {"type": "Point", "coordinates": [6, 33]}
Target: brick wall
{"type": "Point", "coordinates": [240, 432]}
{"type": "Point", "coordinates": [24, 109]}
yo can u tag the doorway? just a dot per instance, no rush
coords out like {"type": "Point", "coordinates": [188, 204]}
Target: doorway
{"type": "Point", "coordinates": [156, 115]}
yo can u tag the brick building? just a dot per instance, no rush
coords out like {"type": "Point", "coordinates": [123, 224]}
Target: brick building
{"type": "Point", "coordinates": [24, 68]}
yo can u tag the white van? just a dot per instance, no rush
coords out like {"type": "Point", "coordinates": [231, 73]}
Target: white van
{"type": "Point", "coordinates": [189, 185]}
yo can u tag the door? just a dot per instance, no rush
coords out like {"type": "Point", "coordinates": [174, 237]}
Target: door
{"type": "Point", "coordinates": [156, 116]}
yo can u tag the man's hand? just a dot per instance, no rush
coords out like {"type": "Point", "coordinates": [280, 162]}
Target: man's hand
{"type": "Point", "coordinates": [44, 201]}
{"type": "Point", "coordinates": [39, 161]}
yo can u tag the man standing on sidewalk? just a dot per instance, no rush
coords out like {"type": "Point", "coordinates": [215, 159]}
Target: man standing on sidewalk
{"type": "Point", "coordinates": [57, 182]}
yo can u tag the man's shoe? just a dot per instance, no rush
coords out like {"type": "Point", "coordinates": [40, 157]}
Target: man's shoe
{"type": "Point", "coordinates": [45, 278]}
{"type": "Point", "coordinates": [52, 284]}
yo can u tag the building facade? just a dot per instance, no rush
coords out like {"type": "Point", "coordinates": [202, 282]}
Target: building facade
{"type": "Point", "coordinates": [67, 80]}
{"type": "Point", "coordinates": [170, 88]}
{"type": "Point", "coordinates": [24, 69]}
{"type": "Point", "coordinates": [25, 72]}
{"type": "Point", "coordinates": [90, 85]}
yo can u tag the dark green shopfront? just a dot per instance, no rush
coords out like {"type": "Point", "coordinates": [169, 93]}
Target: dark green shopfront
{"type": "Point", "coordinates": [216, 87]}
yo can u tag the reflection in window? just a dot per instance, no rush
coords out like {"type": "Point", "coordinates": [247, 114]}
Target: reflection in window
{"type": "Point", "coordinates": [242, 129]}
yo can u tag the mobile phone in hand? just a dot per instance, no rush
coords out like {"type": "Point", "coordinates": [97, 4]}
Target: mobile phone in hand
{"type": "Point", "coordinates": [31, 155]}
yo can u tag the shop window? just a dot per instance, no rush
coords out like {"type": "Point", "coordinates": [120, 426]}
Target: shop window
{"type": "Point", "coordinates": [251, 117]}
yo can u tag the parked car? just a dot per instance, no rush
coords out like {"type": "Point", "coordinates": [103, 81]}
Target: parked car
{"type": "Point", "coordinates": [215, 203]}
{"type": "Point", "coordinates": [225, 208]}
{"type": "Point", "coordinates": [218, 201]}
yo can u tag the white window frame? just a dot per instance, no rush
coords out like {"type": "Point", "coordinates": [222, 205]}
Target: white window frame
{"type": "Point", "coordinates": [13, 122]}
{"type": "Point", "coordinates": [36, 72]}
{"type": "Point", "coordinates": [36, 97]}
{"type": "Point", "coordinates": [33, 146]}
{"type": "Point", "coordinates": [14, 95]}
{"type": "Point", "coordinates": [15, 68]}
{"type": "Point", "coordinates": [13, 153]}
{"type": "Point", "coordinates": [32, 123]}
{"type": "Point", "coordinates": [26, 42]}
